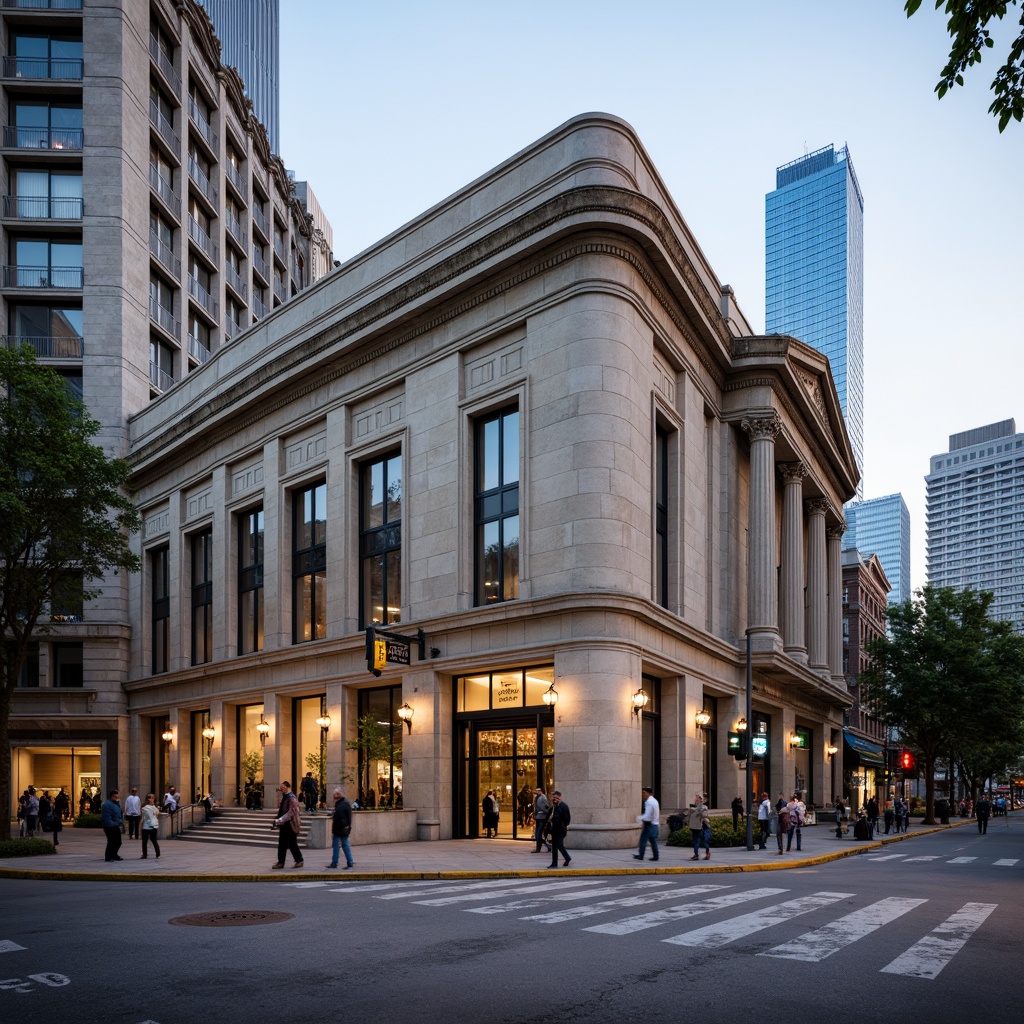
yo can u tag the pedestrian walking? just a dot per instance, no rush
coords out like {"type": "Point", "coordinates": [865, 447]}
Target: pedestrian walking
{"type": "Point", "coordinates": [112, 818]}
{"type": "Point", "coordinates": [700, 827]}
{"type": "Point", "coordinates": [649, 821]}
{"type": "Point", "coordinates": [797, 809]}
{"type": "Point", "coordinates": [541, 810]}
{"type": "Point", "coordinates": [341, 829]}
{"type": "Point", "coordinates": [61, 805]}
{"type": "Point", "coordinates": [737, 813]}
{"type": "Point", "coordinates": [982, 810]}
{"type": "Point", "coordinates": [490, 808]}
{"type": "Point", "coordinates": [150, 814]}
{"type": "Point", "coordinates": [783, 826]}
{"type": "Point", "coordinates": [764, 820]}
{"type": "Point", "coordinates": [840, 814]}
{"type": "Point", "coordinates": [873, 814]}
{"type": "Point", "coordinates": [288, 823]}
{"type": "Point", "coordinates": [54, 824]}
{"type": "Point", "coordinates": [31, 812]}
{"type": "Point", "coordinates": [889, 817]}
{"type": "Point", "coordinates": [133, 812]}
{"type": "Point", "coordinates": [559, 820]}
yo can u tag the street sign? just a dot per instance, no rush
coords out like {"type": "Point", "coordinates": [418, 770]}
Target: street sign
{"type": "Point", "coordinates": [397, 651]}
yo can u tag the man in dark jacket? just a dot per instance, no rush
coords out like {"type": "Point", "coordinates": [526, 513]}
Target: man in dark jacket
{"type": "Point", "coordinates": [341, 827]}
{"type": "Point", "coordinates": [541, 809]}
{"type": "Point", "coordinates": [111, 820]}
{"type": "Point", "coordinates": [983, 808]}
{"type": "Point", "coordinates": [560, 819]}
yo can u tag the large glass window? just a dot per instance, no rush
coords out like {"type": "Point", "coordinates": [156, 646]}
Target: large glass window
{"type": "Point", "coordinates": [202, 597]}
{"type": "Point", "coordinates": [46, 263]}
{"type": "Point", "coordinates": [47, 126]}
{"type": "Point", "coordinates": [159, 561]}
{"type": "Point", "coordinates": [202, 756]}
{"type": "Point", "coordinates": [40, 56]}
{"type": "Point", "coordinates": [68, 668]}
{"type": "Point", "coordinates": [661, 515]}
{"type": "Point", "coordinates": [250, 581]}
{"type": "Point", "coordinates": [503, 691]}
{"type": "Point", "coordinates": [309, 563]}
{"type": "Point", "coordinates": [42, 193]}
{"type": "Point", "coordinates": [380, 540]}
{"type": "Point", "coordinates": [380, 747]}
{"type": "Point", "coordinates": [497, 507]}
{"type": "Point", "coordinates": [310, 745]}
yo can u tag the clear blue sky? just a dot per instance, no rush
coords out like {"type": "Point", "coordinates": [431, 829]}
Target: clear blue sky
{"type": "Point", "coordinates": [389, 106]}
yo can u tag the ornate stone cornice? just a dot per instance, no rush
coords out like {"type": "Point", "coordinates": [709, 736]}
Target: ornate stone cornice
{"type": "Point", "coordinates": [203, 33]}
{"type": "Point", "coordinates": [762, 428]}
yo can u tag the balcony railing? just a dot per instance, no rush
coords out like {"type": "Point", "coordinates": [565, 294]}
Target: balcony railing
{"type": "Point", "coordinates": [198, 175]}
{"type": "Point", "coordinates": [202, 296]}
{"type": "Point", "coordinates": [160, 379]}
{"type": "Point", "coordinates": [162, 187]}
{"type": "Point", "coordinates": [164, 253]}
{"type": "Point", "coordinates": [199, 119]}
{"type": "Point", "coordinates": [234, 225]}
{"type": "Point", "coordinates": [201, 238]}
{"type": "Point", "coordinates": [67, 139]}
{"type": "Point", "coordinates": [197, 350]}
{"type": "Point", "coordinates": [258, 309]}
{"type": "Point", "coordinates": [234, 175]}
{"type": "Point", "coordinates": [51, 69]}
{"type": "Point", "coordinates": [259, 218]}
{"type": "Point", "coordinates": [234, 279]}
{"type": "Point", "coordinates": [279, 291]}
{"type": "Point", "coordinates": [165, 318]}
{"type": "Point", "coordinates": [232, 328]}
{"type": "Point", "coordinates": [163, 62]}
{"type": "Point", "coordinates": [164, 127]}
{"type": "Point", "coordinates": [43, 207]}
{"type": "Point", "coordinates": [42, 277]}
{"type": "Point", "coordinates": [47, 348]}
{"type": "Point", "coordinates": [279, 252]}
{"type": "Point", "coordinates": [259, 264]}
{"type": "Point", "coordinates": [43, 5]}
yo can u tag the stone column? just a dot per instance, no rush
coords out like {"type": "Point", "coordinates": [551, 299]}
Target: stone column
{"type": "Point", "coordinates": [835, 603]}
{"type": "Point", "coordinates": [762, 593]}
{"type": "Point", "coordinates": [817, 585]}
{"type": "Point", "coordinates": [794, 639]}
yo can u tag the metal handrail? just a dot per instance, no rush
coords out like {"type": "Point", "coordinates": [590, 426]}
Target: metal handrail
{"type": "Point", "coordinates": [235, 177]}
{"type": "Point", "coordinates": [42, 277]}
{"type": "Point", "coordinates": [166, 67]}
{"type": "Point", "coordinates": [164, 253]}
{"type": "Point", "coordinates": [43, 69]}
{"type": "Point", "coordinates": [163, 188]}
{"type": "Point", "coordinates": [159, 378]}
{"type": "Point", "coordinates": [43, 207]}
{"type": "Point", "coordinates": [259, 218]}
{"type": "Point", "coordinates": [43, 5]}
{"type": "Point", "coordinates": [165, 318]}
{"type": "Point", "coordinates": [46, 347]}
{"type": "Point", "coordinates": [234, 279]}
{"type": "Point", "coordinates": [197, 350]}
{"type": "Point", "coordinates": [198, 234]}
{"type": "Point", "coordinates": [199, 119]}
{"type": "Point", "coordinates": [198, 175]}
{"type": "Point", "coordinates": [202, 296]}
{"type": "Point", "coordinates": [164, 127]}
{"type": "Point", "coordinates": [19, 137]}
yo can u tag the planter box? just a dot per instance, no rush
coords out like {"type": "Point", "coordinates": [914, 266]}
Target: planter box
{"type": "Point", "coordinates": [368, 828]}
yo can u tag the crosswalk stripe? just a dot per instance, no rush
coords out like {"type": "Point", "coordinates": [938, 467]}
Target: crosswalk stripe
{"type": "Point", "coordinates": [961, 860]}
{"type": "Point", "coordinates": [715, 935]}
{"type": "Point", "coordinates": [909, 859]}
{"type": "Point", "coordinates": [545, 886]}
{"type": "Point", "coordinates": [1006, 862]}
{"type": "Point", "coordinates": [812, 947]}
{"type": "Point", "coordinates": [592, 909]}
{"type": "Point", "coordinates": [502, 908]}
{"type": "Point", "coordinates": [926, 958]}
{"type": "Point", "coordinates": [887, 856]}
{"type": "Point", "coordinates": [7, 946]}
{"type": "Point", "coordinates": [652, 920]}
{"type": "Point", "coordinates": [459, 887]}
{"type": "Point", "coordinates": [374, 887]}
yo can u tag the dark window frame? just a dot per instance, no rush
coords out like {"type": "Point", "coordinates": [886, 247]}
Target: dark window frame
{"type": "Point", "coordinates": [498, 504]}
{"type": "Point", "coordinates": [308, 561]}
{"type": "Point", "coordinates": [250, 580]}
{"type": "Point", "coordinates": [159, 559]}
{"type": "Point", "coordinates": [201, 560]}
{"type": "Point", "coordinates": [380, 542]}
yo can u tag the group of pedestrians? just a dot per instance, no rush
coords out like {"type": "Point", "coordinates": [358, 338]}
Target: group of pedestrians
{"type": "Point", "coordinates": [141, 818]}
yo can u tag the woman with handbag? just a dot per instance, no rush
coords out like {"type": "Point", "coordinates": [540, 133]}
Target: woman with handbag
{"type": "Point", "coordinates": [288, 823]}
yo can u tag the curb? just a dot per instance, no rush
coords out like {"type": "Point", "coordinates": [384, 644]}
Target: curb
{"type": "Point", "coordinates": [454, 875]}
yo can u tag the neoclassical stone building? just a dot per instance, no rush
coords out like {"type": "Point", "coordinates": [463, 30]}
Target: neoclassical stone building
{"type": "Point", "coordinates": [532, 428]}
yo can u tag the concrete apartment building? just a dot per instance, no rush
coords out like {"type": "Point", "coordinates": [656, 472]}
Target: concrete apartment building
{"type": "Point", "coordinates": [534, 425]}
{"type": "Point", "coordinates": [146, 224]}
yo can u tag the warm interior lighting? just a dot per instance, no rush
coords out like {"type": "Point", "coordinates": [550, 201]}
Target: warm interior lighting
{"type": "Point", "coordinates": [405, 713]}
{"type": "Point", "coordinates": [640, 699]}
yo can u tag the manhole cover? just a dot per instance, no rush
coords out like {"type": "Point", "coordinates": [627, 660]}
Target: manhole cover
{"type": "Point", "coordinates": [231, 918]}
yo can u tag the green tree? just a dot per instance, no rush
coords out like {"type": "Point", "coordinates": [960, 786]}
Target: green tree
{"type": "Point", "coordinates": [946, 676]}
{"type": "Point", "coordinates": [374, 743]}
{"type": "Point", "coordinates": [65, 519]}
{"type": "Point", "coordinates": [968, 27]}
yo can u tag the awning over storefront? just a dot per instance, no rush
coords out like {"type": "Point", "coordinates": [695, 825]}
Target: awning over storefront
{"type": "Point", "coordinates": [865, 751]}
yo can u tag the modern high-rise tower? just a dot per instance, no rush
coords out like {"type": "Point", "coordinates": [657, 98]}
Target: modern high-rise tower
{"type": "Point", "coordinates": [975, 508]}
{"type": "Point", "coordinates": [814, 271]}
{"type": "Point", "coordinates": [881, 526]}
{"type": "Point", "coordinates": [250, 38]}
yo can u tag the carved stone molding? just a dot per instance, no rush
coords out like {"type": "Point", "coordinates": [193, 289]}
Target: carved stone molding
{"type": "Point", "coordinates": [762, 428]}
{"type": "Point", "coordinates": [836, 531]}
{"type": "Point", "coordinates": [818, 506]}
{"type": "Point", "coordinates": [793, 472]}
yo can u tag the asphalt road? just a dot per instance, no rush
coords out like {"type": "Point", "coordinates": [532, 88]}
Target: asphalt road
{"type": "Point", "coordinates": [928, 930]}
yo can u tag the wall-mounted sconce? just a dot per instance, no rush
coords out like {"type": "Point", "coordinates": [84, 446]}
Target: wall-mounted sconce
{"type": "Point", "coordinates": [794, 740]}
{"type": "Point", "coordinates": [640, 699]}
{"type": "Point", "coordinates": [405, 713]}
{"type": "Point", "coordinates": [703, 718]}
{"type": "Point", "coordinates": [209, 733]}
{"type": "Point", "coordinates": [741, 725]}
{"type": "Point", "coordinates": [324, 721]}
{"type": "Point", "coordinates": [831, 750]}
{"type": "Point", "coordinates": [263, 728]}
{"type": "Point", "coordinates": [550, 696]}
{"type": "Point", "coordinates": [167, 736]}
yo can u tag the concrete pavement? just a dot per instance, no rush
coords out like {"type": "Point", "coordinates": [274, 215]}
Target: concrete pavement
{"type": "Point", "coordinates": [80, 857]}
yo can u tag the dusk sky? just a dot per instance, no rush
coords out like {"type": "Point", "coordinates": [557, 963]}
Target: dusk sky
{"type": "Point", "coordinates": [389, 107]}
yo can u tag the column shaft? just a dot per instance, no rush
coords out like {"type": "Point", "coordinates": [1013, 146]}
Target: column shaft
{"type": "Point", "coordinates": [794, 638]}
{"type": "Point", "coordinates": [817, 585]}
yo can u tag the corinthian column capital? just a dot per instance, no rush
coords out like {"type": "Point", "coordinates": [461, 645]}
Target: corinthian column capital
{"type": "Point", "coordinates": [792, 472]}
{"type": "Point", "coordinates": [762, 428]}
{"type": "Point", "coordinates": [817, 506]}
{"type": "Point", "coordinates": [836, 531]}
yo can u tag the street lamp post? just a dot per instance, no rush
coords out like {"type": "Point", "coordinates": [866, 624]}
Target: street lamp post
{"type": "Point", "coordinates": [750, 766]}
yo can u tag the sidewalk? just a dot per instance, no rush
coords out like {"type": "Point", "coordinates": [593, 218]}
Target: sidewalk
{"type": "Point", "coordinates": [80, 857]}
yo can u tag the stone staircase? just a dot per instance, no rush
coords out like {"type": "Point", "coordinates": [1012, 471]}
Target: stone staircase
{"type": "Point", "coordinates": [235, 826]}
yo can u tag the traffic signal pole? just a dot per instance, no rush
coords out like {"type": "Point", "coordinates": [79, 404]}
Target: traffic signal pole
{"type": "Point", "coordinates": [750, 728]}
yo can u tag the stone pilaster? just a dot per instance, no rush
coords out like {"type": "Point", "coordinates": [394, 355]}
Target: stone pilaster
{"type": "Point", "coordinates": [762, 593]}
{"type": "Point", "coordinates": [817, 585]}
{"type": "Point", "coordinates": [793, 632]}
{"type": "Point", "coordinates": [835, 602]}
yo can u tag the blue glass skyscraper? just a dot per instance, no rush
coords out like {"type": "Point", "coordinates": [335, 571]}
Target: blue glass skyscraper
{"type": "Point", "coordinates": [881, 526]}
{"type": "Point", "coordinates": [814, 272]}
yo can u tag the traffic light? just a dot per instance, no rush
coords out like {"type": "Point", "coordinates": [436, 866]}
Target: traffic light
{"type": "Point", "coordinates": [738, 745]}
{"type": "Point", "coordinates": [907, 761]}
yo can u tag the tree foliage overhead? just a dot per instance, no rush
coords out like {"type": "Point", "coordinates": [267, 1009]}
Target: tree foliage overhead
{"type": "Point", "coordinates": [948, 677]}
{"type": "Point", "coordinates": [65, 518]}
{"type": "Point", "coordinates": [968, 28]}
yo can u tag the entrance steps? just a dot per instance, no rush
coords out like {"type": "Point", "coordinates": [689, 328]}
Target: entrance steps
{"type": "Point", "coordinates": [235, 826]}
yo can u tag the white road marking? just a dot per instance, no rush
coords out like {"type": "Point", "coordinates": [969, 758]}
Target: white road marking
{"type": "Point", "coordinates": [307, 885]}
{"type": "Point", "coordinates": [376, 887]}
{"type": "Point", "coordinates": [887, 856]}
{"type": "Point", "coordinates": [591, 909]}
{"type": "Point", "coordinates": [7, 946]}
{"type": "Point", "coordinates": [51, 979]}
{"type": "Point", "coordinates": [1006, 862]}
{"type": "Point", "coordinates": [909, 859]}
{"type": "Point", "coordinates": [926, 958]}
{"type": "Point", "coordinates": [812, 947]}
{"type": "Point", "coordinates": [652, 920]}
{"type": "Point", "coordinates": [545, 886]}
{"type": "Point", "coordinates": [961, 860]}
{"type": "Point", "coordinates": [461, 887]}
{"type": "Point", "coordinates": [715, 935]}
{"type": "Point", "coordinates": [501, 908]}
